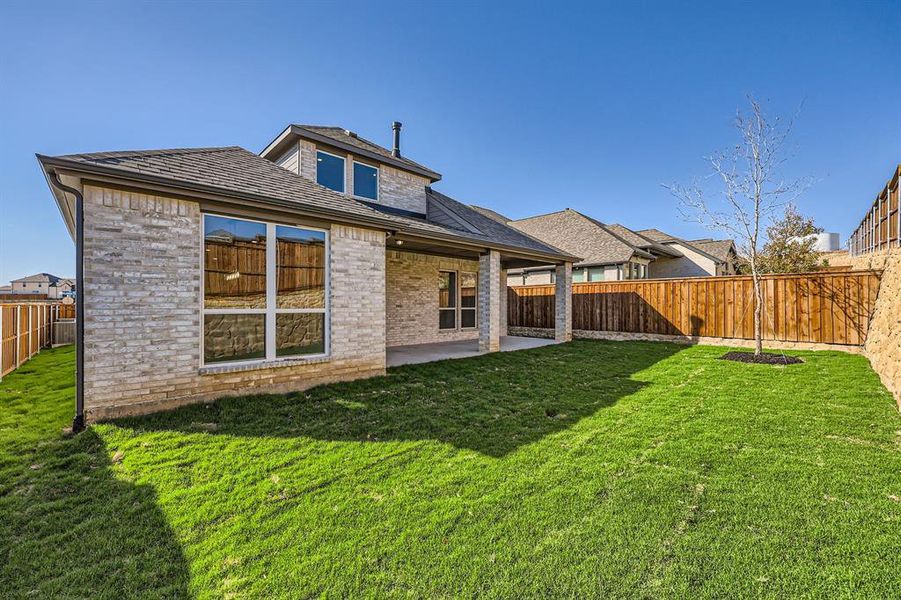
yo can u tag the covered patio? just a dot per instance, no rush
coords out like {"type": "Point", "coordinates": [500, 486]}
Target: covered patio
{"type": "Point", "coordinates": [422, 353]}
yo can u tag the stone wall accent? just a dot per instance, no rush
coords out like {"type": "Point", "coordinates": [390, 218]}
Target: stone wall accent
{"type": "Point", "coordinates": [563, 307]}
{"type": "Point", "coordinates": [400, 189]}
{"type": "Point", "coordinates": [883, 344]}
{"type": "Point", "coordinates": [143, 310]}
{"type": "Point", "coordinates": [489, 301]}
{"type": "Point", "coordinates": [412, 296]}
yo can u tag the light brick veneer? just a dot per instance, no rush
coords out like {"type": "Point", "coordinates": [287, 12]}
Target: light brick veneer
{"type": "Point", "coordinates": [142, 309]}
{"type": "Point", "coordinates": [489, 301]}
{"type": "Point", "coordinates": [401, 189]}
{"type": "Point", "coordinates": [563, 308]}
{"type": "Point", "coordinates": [412, 294]}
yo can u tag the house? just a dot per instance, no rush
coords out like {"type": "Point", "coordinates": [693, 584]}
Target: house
{"type": "Point", "coordinates": [44, 284]}
{"type": "Point", "coordinates": [699, 258]}
{"type": "Point", "coordinates": [218, 271]}
{"type": "Point", "coordinates": [610, 252]}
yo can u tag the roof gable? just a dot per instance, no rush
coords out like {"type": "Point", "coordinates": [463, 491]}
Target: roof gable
{"type": "Point", "coordinates": [349, 141]}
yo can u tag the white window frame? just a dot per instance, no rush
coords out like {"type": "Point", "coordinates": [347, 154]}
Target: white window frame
{"type": "Point", "coordinates": [343, 170]}
{"type": "Point", "coordinates": [270, 311]}
{"type": "Point", "coordinates": [378, 176]}
{"type": "Point", "coordinates": [456, 306]}
{"type": "Point", "coordinates": [475, 308]}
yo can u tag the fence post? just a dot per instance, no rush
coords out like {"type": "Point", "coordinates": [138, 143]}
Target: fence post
{"type": "Point", "coordinates": [18, 336]}
{"type": "Point", "coordinates": [1, 342]}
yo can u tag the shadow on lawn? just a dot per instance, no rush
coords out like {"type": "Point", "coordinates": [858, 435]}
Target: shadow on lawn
{"type": "Point", "coordinates": [492, 404]}
{"type": "Point", "coordinates": [68, 526]}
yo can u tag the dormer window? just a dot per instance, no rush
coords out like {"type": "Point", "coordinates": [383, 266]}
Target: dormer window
{"type": "Point", "coordinates": [366, 181]}
{"type": "Point", "coordinates": [330, 171]}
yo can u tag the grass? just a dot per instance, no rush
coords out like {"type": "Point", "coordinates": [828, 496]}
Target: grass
{"type": "Point", "coordinates": [588, 469]}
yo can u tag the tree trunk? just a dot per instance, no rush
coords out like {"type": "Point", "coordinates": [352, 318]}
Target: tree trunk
{"type": "Point", "coordinates": [758, 306]}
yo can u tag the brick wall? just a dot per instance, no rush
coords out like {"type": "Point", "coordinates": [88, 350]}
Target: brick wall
{"type": "Point", "coordinates": [883, 344]}
{"type": "Point", "coordinates": [403, 190]}
{"type": "Point", "coordinates": [412, 296]}
{"type": "Point", "coordinates": [142, 310]}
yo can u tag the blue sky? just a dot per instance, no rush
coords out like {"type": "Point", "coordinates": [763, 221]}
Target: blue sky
{"type": "Point", "coordinates": [523, 108]}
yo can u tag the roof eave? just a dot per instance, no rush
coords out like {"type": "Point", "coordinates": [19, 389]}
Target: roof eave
{"type": "Point", "coordinates": [50, 163]}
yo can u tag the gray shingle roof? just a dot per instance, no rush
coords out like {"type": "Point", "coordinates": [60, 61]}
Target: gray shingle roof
{"type": "Point", "coordinates": [580, 235]}
{"type": "Point", "coordinates": [640, 241]}
{"type": "Point", "coordinates": [349, 138]}
{"type": "Point", "coordinates": [38, 277]}
{"type": "Point", "coordinates": [719, 249]}
{"type": "Point", "coordinates": [239, 173]}
{"type": "Point", "coordinates": [715, 249]}
{"type": "Point", "coordinates": [491, 214]}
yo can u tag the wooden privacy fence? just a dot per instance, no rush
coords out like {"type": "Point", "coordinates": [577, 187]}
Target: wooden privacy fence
{"type": "Point", "coordinates": [828, 308]}
{"type": "Point", "coordinates": [25, 328]}
{"type": "Point", "coordinates": [880, 228]}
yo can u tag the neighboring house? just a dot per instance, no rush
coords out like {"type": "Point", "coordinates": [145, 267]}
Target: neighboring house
{"type": "Point", "coordinates": [217, 271]}
{"type": "Point", "coordinates": [609, 252]}
{"type": "Point", "coordinates": [43, 283]}
{"type": "Point", "coordinates": [699, 258]}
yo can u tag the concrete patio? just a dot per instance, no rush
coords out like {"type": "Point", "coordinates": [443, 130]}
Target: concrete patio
{"type": "Point", "coordinates": [423, 353]}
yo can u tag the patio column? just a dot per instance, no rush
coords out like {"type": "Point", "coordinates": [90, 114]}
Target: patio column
{"type": "Point", "coordinates": [489, 301]}
{"type": "Point", "coordinates": [563, 298]}
{"type": "Point", "coordinates": [503, 298]}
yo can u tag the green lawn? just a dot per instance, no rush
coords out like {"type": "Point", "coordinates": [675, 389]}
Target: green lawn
{"type": "Point", "coordinates": [588, 469]}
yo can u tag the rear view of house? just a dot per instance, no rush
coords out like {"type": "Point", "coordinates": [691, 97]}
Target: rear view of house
{"type": "Point", "coordinates": [698, 258]}
{"type": "Point", "coordinates": [217, 271]}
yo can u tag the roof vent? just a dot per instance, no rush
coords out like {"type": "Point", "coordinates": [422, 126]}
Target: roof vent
{"type": "Point", "coordinates": [352, 134]}
{"type": "Point", "coordinates": [396, 127]}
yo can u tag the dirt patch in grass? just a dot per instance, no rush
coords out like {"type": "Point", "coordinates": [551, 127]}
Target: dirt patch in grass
{"type": "Point", "coordinates": [765, 358]}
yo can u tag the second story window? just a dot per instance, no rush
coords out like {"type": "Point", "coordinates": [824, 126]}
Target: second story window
{"type": "Point", "coordinates": [330, 171]}
{"type": "Point", "coordinates": [366, 181]}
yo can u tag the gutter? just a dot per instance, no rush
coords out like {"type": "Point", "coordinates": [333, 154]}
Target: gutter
{"type": "Point", "coordinates": [78, 421]}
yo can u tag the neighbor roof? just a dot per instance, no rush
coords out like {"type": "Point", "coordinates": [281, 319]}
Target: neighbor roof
{"type": "Point", "coordinates": [38, 278]}
{"type": "Point", "coordinates": [345, 139]}
{"type": "Point", "coordinates": [717, 250]}
{"type": "Point", "coordinates": [640, 241]}
{"type": "Point", "coordinates": [578, 234]}
{"type": "Point", "coordinates": [235, 172]}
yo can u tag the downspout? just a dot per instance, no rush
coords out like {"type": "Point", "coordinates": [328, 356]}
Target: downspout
{"type": "Point", "coordinates": [78, 421]}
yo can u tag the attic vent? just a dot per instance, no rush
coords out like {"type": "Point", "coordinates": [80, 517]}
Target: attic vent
{"type": "Point", "coordinates": [352, 134]}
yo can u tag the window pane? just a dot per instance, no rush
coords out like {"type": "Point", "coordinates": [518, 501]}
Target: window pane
{"type": "Point", "coordinates": [234, 263]}
{"type": "Point", "coordinates": [300, 268]}
{"type": "Point", "coordinates": [468, 283]}
{"type": "Point", "coordinates": [447, 286]}
{"type": "Point", "coordinates": [447, 319]}
{"type": "Point", "coordinates": [330, 171]}
{"type": "Point", "coordinates": [467, 317]}
{"type": "Point", "coordinates": [297, 334]}
{"type": "Point", "coordinates": [228, 338]}
{"type": "Point", "coordinates": [578, 275]}
{"type": "Point", "coordinates": [596, 274]}
{"type": "Point", "coordinates": [366, 181]}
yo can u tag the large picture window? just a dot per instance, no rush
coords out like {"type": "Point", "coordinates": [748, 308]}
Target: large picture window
{"type": "Point", "coordinates": [264, 291]}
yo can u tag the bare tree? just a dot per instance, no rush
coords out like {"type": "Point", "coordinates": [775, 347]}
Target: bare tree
{"type": "Point", "coordinates": [750, 190]}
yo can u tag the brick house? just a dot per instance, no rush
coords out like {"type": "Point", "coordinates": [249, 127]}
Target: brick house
{"type": "Point", "coordinates": [609, 252]}
{"type": "Point", "coordinates": [613, 252]}
{"type": "Point", "coordinates": [217, 271]}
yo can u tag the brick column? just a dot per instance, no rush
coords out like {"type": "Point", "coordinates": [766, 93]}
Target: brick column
{"type": "Point", "coordinates": [503, 299]}
{"type": "Point", "coordinates": [563, 298]}
{"type": "Point", "coordinates": [489, 301]}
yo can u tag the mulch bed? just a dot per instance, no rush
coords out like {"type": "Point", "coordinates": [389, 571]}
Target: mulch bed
{"type": "Point", "coordinates": [764, 358]}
